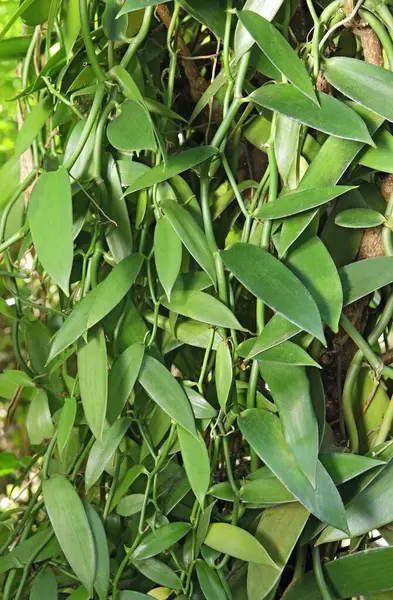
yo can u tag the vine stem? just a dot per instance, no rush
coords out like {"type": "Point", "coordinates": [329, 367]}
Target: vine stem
{"type": "Point", "coordinates": [323, 587]}
{"type": "Point", "coordinates": [85, 29]}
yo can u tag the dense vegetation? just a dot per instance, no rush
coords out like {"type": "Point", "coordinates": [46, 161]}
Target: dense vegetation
{"type": "Point", "coordinates": [197, 300]}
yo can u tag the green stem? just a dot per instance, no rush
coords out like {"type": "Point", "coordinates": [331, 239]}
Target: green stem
{"type": "Point", "coordinates": [323, 588]}
{"type": "Point", "coordinates": [113, 487]}
{"type": "Point", "coordinates": [139, 38]}
{"type": "Point", "coordinates": [47, 457]}
{"type": "Point", "coordinates": [315, 39]}
{"type": "Point", "coordinates": [27, 566]}
{"type": "Point", "coordinates": [206, 360]}
{"type": "Point", "coordinates": [90, 49]}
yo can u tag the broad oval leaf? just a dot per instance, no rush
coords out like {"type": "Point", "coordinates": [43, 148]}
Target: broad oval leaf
{"type": "Point", "coordinates": [223, 373]}
{"type": "Point", "coordinates": [287, 353]}
{"type": "Point", "coordinates": [364, 83]}
{"type": "Point", "coordinates": [44, 586]}
{"type": "Point", "coordinates": [365, 276]}
{"type": "Point", "coordinates": [359, 218]}
{"type": "Point", "coordinates": [51, 202]}
{"type": "Point", "coordinates": [265, 8]}
{"type": "Point", "coordinates": [122, 378]}
{"type": "Point", "coordinates": [201, 407]}
{"type": "Point", "coordinates": [132, 129]}
{"type": "Point", "coordinates": [97, 303]}
{"type": "Point", "coordinates": [130, 505]}
{"type": "Point", "coordinates": [66, 423]}
{"type": "Point", "coordinates": [159, 572]}
{"type": "Point", "coordinates": [102, 452]}
{"type": "Point", "coordinates": [191, 235]}
{"type": "Point", "coordinates": [71, 526]}
{"type": "Point", "coordinates": [33, 124]}
{"type": "Point", "coordinates": [263, 431]}
{"type": "Point", "coordinates": [167, 254]}
{"type": "Point", "coordinates": [278, 51]}
{"type": "Point", "coordinates": [266, 491]}
{"type": "Point", "coordinates": [93, 380]}
{"type": "Point", "coordinates": [379, 158]}
{"type": "Point", "coordinates": [202, 307]}
{"type": "Point", "coordinates": [39, 421]}
{"type": "Point", "coordinates": [237, 542]}
{"type": "Point", "coordinates": [101, 581]}
{"type": "Point", "coordinates": [334, 117]}
{"type": "Point", "coordinates": [299, 201]}
{"type": "Point", "coordinates": [209, 581]}
{"type": "Point", "coordinates": [175, 165]}
{"type": "Point", "coordinates": [160, 539]}
{"type": "Point", "coordinates": [167, 392]}
{"type": "Point", "coordinates": [196, 462]}
{"type": "Point", "coordinates": [273, 283]}
{"type": "Point", "coordinates": [275, 332]}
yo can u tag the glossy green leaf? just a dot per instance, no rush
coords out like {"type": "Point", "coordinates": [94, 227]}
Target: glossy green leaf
{"type": "Point", "coordinates": [299, 201]}
{"type": "Point", "coordinates": [364, 83]}
{"type": "Point", "coordinates": [101, 581]}
{"type": "Point", "coordinates": [167, 254]}
{"type": "Point", "coordinates": [130, 505]}
{"type": "Point", "coordinates": [202, 307]}
{"type": "Point", "coordinates": [210, 14]}
{"type": "Point", "coordinates": [310, 261]}
{"type": "Point", "coordinates": [287, 353]}
{"type": "Point", "coordinates": [265, 8]}
{"type": "Point", "coordinates": [132, 129]}
{"type": "Point", "coordinates": [51, 202]}
{"type": "Point", "coordinates": [66, 423]}
{"type": "Point", "coordinates": [15, 47]}
{"type": "Point", "coordinates": [266, 491]}
{"type": "Point", "coordinates": [159, 572]}
{"type": "Point", "coordinates": [175, 165]}
{"type": "Point", "coordinates": [263, 431]}
{"type": "Point", "coordinates": [191, 235]}
{"type": "Point", "coordinates": [298, 420]}
{"type": "Point", "coordinates": [166, 391]}
{"type": "Point", "coordinates": [114, 25]}
{"type": "Point", "coordinates": [365, 276]}
{"type": "Point", "coordinates": [97, 303]}
{"type": "Point", "coordinates": [260, 273]}
{"type": "Point", "coordinates": [44, 586]}
{"type": "Point", "coordinates": [122, 378]}
{"type": "Point", "coordinates": [237, 542]}
{"type": "Point", "coordinates": [360, 573]}
{"type": "Point", "coordinates": [71, 526]}
{"type": "Point", "coordinates": [102, 452]}
{"type": "Point", "coordinates": [118, 235]}
{"type": "Point", "coordinates": [342, 466]}
{"type": "Point", "coordinates": [196, 462]}
{"type": "Point", "coordinates": [93, 380]}
{"type": "Point", "coordinates": [32, 125]}
{"type": "Point", "coordinates": [201, 407]}
{"type": "Point", "coordinates": [39, 421]}
{"type": "Point", "coordinates": [278, 530]}
{"type": "Point", "coordinates": [126, 482]}
{"type": "Point", "coordinates": [223, 373]}
{"type": "Point", "coordinates": [131, 5]}
{"type": "Point", "coordinates": [276, 331]}
{"type": "Point", "coordinates": [160, 539]}
{"type": "Point", "coordinates": [209, 581]}
{"type": "Point", "coordinates": [380, 157]}
{"type": "Point", "coordinates": [359, 218]}
{"type": "Point", "coordinates": [71, 25]}
{"type": "Point", "coordinates": [286, 141]}
{"type": "Point", "coordinates": [334, 117]}
{"type": "Point", "coordinates": [278, 51]}
{"type": "Point", "coordinates": [79, 594]}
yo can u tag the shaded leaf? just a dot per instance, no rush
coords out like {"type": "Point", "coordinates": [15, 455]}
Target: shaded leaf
{"type": "Point", "coordinates": [276, 331]}
{"type": "Point", "coordinates": [196, 462]}
{"type": "Point", "coordinates": [160, 539]}
{"type": "Point", "coordinates": [44, 586]}
{"type": "Point", "coordinates": [202, 307]}
{"type": "Point", "coordinates": [132, 129]}
{"type": "Point", "coordinates": [126, 482]}
{"type": "Point", "coordinates": [131, 5]}
{"type": "Point", "coordinates": [359, 218]}
{"type": "Point", "coordinates": [210, 582]}
{"type": "Point", "coordinates": [223, 373]}
{"type": "Point", "coordinates": [66, 423]}
{"type": "Point", "coordinates": [32, 124]}
{"type": "Point", "coordinates": [365, 276]}
{"type": "Point", "coordinates": [39, 421]}
{"type": "Point", "coordinates": [101, 581]}
{"type": "Point", "coordinates": [159, 572]}
{"type": "Point", "coordinates": [343, 467]}
{"type": "Point", "coordinates": [122, 378]}
{"type": "Point", "coordinates": [167, 254]}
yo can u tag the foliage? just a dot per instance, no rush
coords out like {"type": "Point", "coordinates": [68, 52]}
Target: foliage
{"type": "Point", "coordinates": [197, 259]}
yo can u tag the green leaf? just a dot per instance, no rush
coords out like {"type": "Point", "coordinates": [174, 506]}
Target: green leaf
{"type": "Point", "coordinates": [93, 380]}
{"type": "Point", "coordinates": [365, 276]}
{"type": "Point", "coordinates": [114, 28]}
{"type": "Point", "coordinates": [366, 84]}
{"type": "Point", "coordinates": [210, 14]}
{"type": "Point", "coordinates": [223, 373]}
{"type": "Point", "coordinates": [131, 5]}
{"type": "Point", "coordinates": [276, 331]}
{"type": "Point", "coordinates": [278, 530]}
{"type": "Point", "coordinates": [342, 466]}
{"type": "Point", "coordinates": [334, 117]}
{"type": "Point", "coordinates": [122, 378]}
{"type": "Point", "coordinates": [380, 157]}
{"type": "Point", "coordinates": [167, 254]}
{"type": "Point", "coordinates": [370, 509]}
{"type": "Point", "coordinates": [202, 409]}
{"type": "Point", "coordinates": [191, 235]}
{"type": "Point", "coordinates": [159, 572]}
{"type": "Point", "coordinates": [33, 124]}
{"type": "Point", "coordinates": [358, 573]}
{"type": "Point", "coordinates": [8, 463]}
{"type": "Point", "coordinates": [299, 201]}
{"type": "Point", "coordinates": [265, 8]}
{"type": "Point", "coordinates": [44, 586]}
{"type": "Point", "coordinates": [97, 303]}
{"type": "Point", "coordinates": [14, 48]}
{"type": "Point", "coordinates": [39, 421]}
{"type": "Point", "coordinates": [126, 595]}
{"type": "Point", "coordinates": [237, 542]}
{"type": "Point", "coordinates": [51, 202]}
{"type": "Point", "coordinates": [71, 26]}
{"type": "Point", "coordinates": [209, 581]}
{"type": "Point", "coordinates": [130, 505]}
{"type": "Point", "coordinates": [102, 452]}
{"type": "Point", "coordinates": [101, 581]}
{"type": "Point", "coordinates": [160, 539]}
{"type": "Point", "coordinates": [310, 261]}
{"type": "Point", "coordinates": [66, 423]}
{"type": "Point", "coordinates": [267, 491]}
{"type": "Point", "coordinates": [278, 51]}
{"type": "Point", "coordinates": [263, 431]}
{"type": "Point", "coordinates": [298, 420]}
{"type": "Point", "coordinates": [196, 462]}
{"type": "Point", "coordinates": [175, 165]}
{"type": "Point", "coordinates": [166, 391]}
{"type": "Point", "coordinates": [202, 307]}
{"type": "Point", "coordinates": [132, 129]}
{"type": "Point", "coordinates": [260, 273]}
{"type": "Point", "coordinates": [119, 236]}
{"type": "Point", "coordinates": [359, 218]}
{"type": "Point", "coordinates": [125, 483]}
{"type": "Point", "coordinates": [72, 529]}
{"type": "Point", "coordinates": [287, 353]}
{"type": "Point", "coordinates": [286, 142]}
